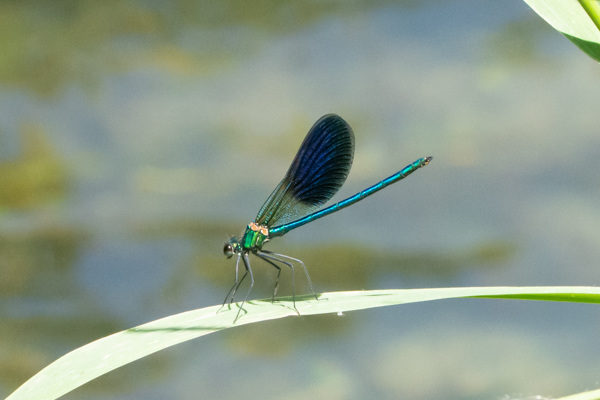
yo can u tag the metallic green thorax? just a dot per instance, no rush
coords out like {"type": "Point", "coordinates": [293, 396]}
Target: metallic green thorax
{"type": "Point", "coordinates": [254, 236]}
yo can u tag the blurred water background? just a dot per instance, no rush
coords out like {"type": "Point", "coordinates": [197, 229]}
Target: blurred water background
{"type": "Point", "coordinates": [136, 136]}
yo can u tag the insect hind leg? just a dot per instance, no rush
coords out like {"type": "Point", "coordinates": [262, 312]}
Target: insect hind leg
{"type": "Point", "coordinates": [271, 258]}
{"type": "Point", "coordinates": [279, 258]}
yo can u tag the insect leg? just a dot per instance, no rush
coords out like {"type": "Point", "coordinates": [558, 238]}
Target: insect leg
{"type": "Point", "coordinates": [275, 255]}
{"type": "Point", "coordinates": [248, 271]}
{"type": "Point", "coordinates": [270, 257]}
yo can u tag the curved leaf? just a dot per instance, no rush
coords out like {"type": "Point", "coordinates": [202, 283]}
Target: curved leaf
{"type": "Point", "coordinates": [578, 20]}
{"type": "Point", "coordinates": [97, 358]}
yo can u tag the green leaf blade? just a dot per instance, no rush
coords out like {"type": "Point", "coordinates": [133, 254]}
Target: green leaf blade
{"type": "Point", "coordinates": [104, 355]}
{"type": "Point", "coordinates": [578, 20]}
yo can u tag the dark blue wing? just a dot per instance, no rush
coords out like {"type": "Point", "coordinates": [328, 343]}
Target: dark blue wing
{"type": "Point", "coordinates": [318, 171]}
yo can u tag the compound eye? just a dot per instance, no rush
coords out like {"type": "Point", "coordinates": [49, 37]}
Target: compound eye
{"type": "Point", "coordinates": [228, 250]}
